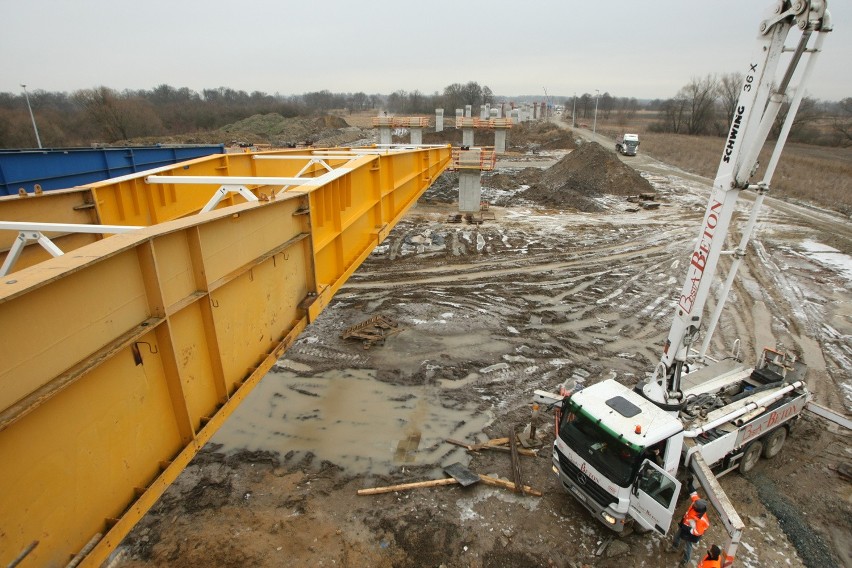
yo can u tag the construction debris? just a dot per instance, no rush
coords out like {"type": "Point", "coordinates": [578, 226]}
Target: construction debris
{"type": "Point", "coordinates": [498, 444]}
{"type": "Point", "coordinates": [516, 465]}
{"type": "Point", "coordinates": [373, 331]}
{"type": "Point", "coordinates": [461, 474]}
{"type": "Point", "coordinates": [528, 437]}
{"type": "Point", "coordinates": [602, 548]}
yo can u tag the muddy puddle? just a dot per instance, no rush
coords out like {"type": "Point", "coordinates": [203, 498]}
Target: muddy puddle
{"type": "Point", "coordinates": [347, 417]}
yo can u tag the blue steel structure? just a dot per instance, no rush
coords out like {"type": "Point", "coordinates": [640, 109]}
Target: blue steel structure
{"type": "Point", "coordinates": [62, 168]}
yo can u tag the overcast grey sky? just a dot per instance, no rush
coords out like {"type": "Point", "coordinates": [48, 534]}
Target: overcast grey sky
{"type": "Point", "coordinates": [627, 48]}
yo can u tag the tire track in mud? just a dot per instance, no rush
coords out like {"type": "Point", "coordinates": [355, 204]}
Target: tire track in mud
{"type": "Point", "coordinates": [451, 274]}
{"type": "Point", "coordinates": [592, 306]}
{"type": "Point", "coordinates": [800, 315]}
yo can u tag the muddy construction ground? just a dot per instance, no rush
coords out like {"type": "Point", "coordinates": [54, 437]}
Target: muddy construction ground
{"type": "Point", "coordinates": [488, 313]}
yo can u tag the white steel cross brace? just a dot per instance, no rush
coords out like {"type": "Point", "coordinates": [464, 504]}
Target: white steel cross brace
{"type": "Point", "coordinates": [227, 184]}
{"type": "Point", "coordinates": [224, 191]}
{"type": "Point", "coordinates": [311, 161]}
{"type": "Point", "coordinates": [34, 232]}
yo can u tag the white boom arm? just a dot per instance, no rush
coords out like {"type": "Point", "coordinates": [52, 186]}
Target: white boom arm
{"type": "Point", "coordinates": [760, 100]}
{"type": "Point", "coordinates": [727, 513]}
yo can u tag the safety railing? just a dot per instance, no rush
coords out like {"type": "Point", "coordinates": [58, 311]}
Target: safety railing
{"type": "Point", "coordinates": [483, 159]}
{"type": "Point", "coordinates": [401, 121]}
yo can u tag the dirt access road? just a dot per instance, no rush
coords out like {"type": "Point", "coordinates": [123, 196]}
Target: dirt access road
{"type": "Point", "coordinates": [490, 313]}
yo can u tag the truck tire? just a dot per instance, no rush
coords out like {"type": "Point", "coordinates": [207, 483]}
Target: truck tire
{"type": "Point", "coordinates": [751, 455]}
{"type": "Point", "coordinates": [774, 442]}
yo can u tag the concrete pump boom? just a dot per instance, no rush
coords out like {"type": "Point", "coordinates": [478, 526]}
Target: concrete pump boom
{"type": "Point", "coordinates": [760, 100]}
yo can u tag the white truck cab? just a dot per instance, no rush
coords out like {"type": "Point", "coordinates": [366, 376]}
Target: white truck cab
{"type": "Point", "coordinates": [627, 144]}
{"type": "Point", "coordinates": [617, 453]}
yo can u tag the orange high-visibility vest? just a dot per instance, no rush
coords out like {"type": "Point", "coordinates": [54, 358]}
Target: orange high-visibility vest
{"type": "Point", "coordinates": [701, 521]}
{"type": "Point", "coordinates": [708, 563]}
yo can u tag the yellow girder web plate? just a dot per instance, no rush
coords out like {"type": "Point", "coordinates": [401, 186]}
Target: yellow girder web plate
{"type": "Point", "coordinates": [122, 357]}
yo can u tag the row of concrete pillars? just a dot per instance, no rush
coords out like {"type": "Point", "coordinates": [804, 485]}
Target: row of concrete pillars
{"type": "Point", "coordinates": [470, 176]}
{"type": "Point", "coordinates": [489, 117]}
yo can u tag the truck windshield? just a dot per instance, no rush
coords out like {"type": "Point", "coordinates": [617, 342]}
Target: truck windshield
{"type": "Point", "coordinates": [603, 450]}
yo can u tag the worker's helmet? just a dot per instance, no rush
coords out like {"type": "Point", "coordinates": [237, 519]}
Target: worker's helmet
{"type": "Point", "coordinates": [700, 506]}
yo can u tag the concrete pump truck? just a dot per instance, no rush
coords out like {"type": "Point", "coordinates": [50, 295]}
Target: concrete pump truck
{"type": "Point", "coordinates": [621, 451]}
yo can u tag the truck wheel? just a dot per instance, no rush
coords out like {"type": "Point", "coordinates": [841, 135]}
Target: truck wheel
{"type": "Point", "coordinates": [774, 442]}
{"type": "Point", "coordinates": [750, 456]}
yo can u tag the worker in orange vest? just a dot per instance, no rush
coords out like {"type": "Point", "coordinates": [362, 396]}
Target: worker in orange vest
{"type": "Point", "coordinates": [713, 558]}
{"type": "Point", "coordinates": [693, 525]}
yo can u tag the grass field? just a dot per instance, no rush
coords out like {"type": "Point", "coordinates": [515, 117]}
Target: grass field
{"type": "Point", "coordinates": [817, 174]}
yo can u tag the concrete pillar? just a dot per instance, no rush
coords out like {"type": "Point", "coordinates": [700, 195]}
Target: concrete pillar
{"type": "Point", "coordinates": [470, 190]}
{"type": "Point", "coordinates": [482, 111]}
{"type": "Point", "coordinates": [500, 140]}
{"type": "Point", "coordinates": [416, 135]}
{"type": "Point", "coordinates": [467, 136]}
{"type": "Point", "coordinates": [495, 113]}
{"type": "Point", "coordinates": [439, 120]}
{"type": "Point", "coordinates": [468, 109]}
{"type": "Point", "coordinates": [535, 111]}
{"type": "Point", "coordinates": [459, 116]}
{"type": "Point", "coordinates": [487, 110]}
{"type": "Point", "coordinates": [385, 135]}
{"type": "Point", "coordinates": [515, 115]}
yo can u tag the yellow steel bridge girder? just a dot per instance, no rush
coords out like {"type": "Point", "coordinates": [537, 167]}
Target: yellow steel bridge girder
{"type": "Point", "coordinates": [123, 357]}
{"type": "Point", "coordinates": [129, 200]}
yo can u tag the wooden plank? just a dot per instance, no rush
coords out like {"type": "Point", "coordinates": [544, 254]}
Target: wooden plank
{"type": "Point", "coordinates": [507, 485]}
{"type": "Point", "coordinates": [516, 465]}
{"type": "Point", "coordinates": [406, 486]}
{"type": "Point", "coordinates": [487, 446]}
{"type": "Point", "coordinates": [493, 481]}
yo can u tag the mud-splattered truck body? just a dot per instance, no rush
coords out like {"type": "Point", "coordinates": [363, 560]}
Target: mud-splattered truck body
{"type": "Point", "coordinates": [620, 454]}
{"type": "Point", "coordinates": [627, 144]}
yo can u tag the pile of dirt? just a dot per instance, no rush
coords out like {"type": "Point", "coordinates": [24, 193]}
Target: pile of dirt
{"type": "Point", "coordinates": [588, 172]}
{"type": "Point", "coordinates": [273, 129]}
{"type": "Point", "coordinates": [277, 130]}
{"type": "Point", "coordinates": [447, 136]}
{"type": "Point", "coordinates": [500, 180]}
{"type": "Point", "coordinates": [540, 136]}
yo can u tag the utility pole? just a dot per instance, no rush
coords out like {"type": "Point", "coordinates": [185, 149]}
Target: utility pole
{"type": "Point", "coordinates": [574, 112]}
{"type": "Point", "coordinates": [595, 123]}
{"type": "Point", "coordinates": [32, 117]}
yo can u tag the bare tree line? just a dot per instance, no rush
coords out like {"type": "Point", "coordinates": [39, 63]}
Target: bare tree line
{"type": "Point", "coordinates": [701, 107]}
{"type": "Point", "coordinates": [104, 115]}
{"type": "Point", "coordinates": [705, 106]}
